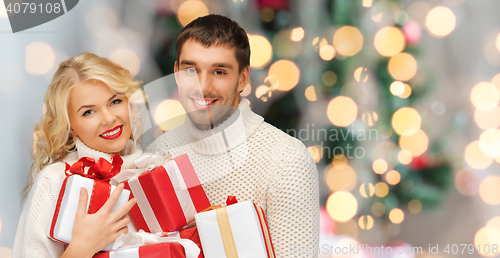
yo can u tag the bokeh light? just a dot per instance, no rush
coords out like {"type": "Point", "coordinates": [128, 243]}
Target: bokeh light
{"type": "Point", "coordinates": [316, 152]}
{"type": "Point", "coordinates": [366, 222]}
{"type": "Point", "coordinates": [261, 50]}
{"type": "Point", "coordinates": [247, 90]}
{"type": "Point", "coordinates": [101, 22]}
{"type": "Point", "coordinates": [190, 10]}
{"type": "Point", "coordinates": [329, 78]}
{"type": "Point", "coordinates": [392, 177]}
{"type": "Point", "coordinates": [381, 189]}
{"type": "Point", "coordinates": [340, 178]}
{"type": "Point", "coordinates": [318, 43]}
{"type": "Point", "coordinates": [367, 3]}
{"type": "Point", "coordinates": [379, 166]}
{"type": "Point", "coordinates": [3, 11]}
{"type": "Point", "coordinates": [339, 161]}
{"type": "Point", "coordinates": [342, 206]}
{"type": "Point", "coordinates": [297, 34]}
{"type": "Point", "coordinates": [327, 52]}
{"type": "Point", "coordinates": [366, 190]}
{"type": "Point", "coordinates": [284, 75]}
{"type": "Point", "coordinates": [485, 96]}
{"type": "Point", "coordinates": [396, 216]}
{"type": "Point", "coordinates": [494, 223]}
{"type": "Point", "coordinates": [267, 14]}
{"type": "Point", "coordinates": [39, 58]}
{"type": "Point", "coordinates": [487, 236]}
{"type": "Point", "coordinates": [496, 81]}
{"type": "Point", "coordinates": [406, 121]}
{"type": "Point", "coordinates": [407, 92]}
{"type": "Point", "coordinates": [402, 67]}
{"type": "Point", "coordinates": [440, 21]}
{"type": "Point", "coordinates": [348, 41]}
{"type": "Point", "coordinates": [263, 92]}
{"type": "Point", "coordinates": [361, 74]}
{"type": "Point", "coordinates": [405, 157]}
{"type": "Point", "coordinates": [5, 252]}
{"type": "Point", "coordinates": [475, 158]}
{"type": "Point", "coordinates": [397, 88]}
{"type": "Point", "coordinates": [467, 182]}
{"type": "Point", "coordinates": [415, 206]}
{"type": "Point", "coordinates": [342, 111]}
{"type": "Point", "coordinates": [370, 118]}
{"type": "Point", "coordinates": [378, 209]}
{"type": "Point", "coordinates": [389, 41]}
{"type": "Point", "coordinates": [310, 93]}
{"type": "Point", "coordinates": [416, 144]}
{"type": "Point", "coordinates": [489, 190]}
{"type": "Point", "coordinates": [487, 119]}
{"type": "Point", "coordinates": [170, 114]}
{"type": "Point", "coordinates": [128, 59]}
{"type": "Point", "coordinates": [489, 142]}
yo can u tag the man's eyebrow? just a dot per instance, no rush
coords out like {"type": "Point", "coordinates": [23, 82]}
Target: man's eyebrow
{"type": "Point", "coordinates": [88, 106]}
{"type": "Point", "coordinates": [187, 62]}
{"type": "Point", "coordinates": [223, 65]}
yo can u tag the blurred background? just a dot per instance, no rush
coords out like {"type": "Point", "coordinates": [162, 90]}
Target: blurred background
{"type": "Point", "coordinates": [397, 101]}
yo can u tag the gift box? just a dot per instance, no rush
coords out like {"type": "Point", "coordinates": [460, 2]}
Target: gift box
{"type": "Point", "coordinates": [162, 250]}
{"type": "Point", "coordinates": [95, 180]}
{"type": "Point", "coordinates": [237, 230]}
{"type": "Point", "coordinates": [142, 244]}
{"type": "Point", "coordinates": [193, 235]}
{"type": "Point", "coordinates": [168, 197]}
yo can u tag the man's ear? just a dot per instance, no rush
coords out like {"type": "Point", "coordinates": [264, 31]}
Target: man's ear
{"type": "Point", "coordinates": [244, 78]}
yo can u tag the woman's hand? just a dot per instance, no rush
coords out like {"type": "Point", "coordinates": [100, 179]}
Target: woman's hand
{"type": "Point", "coordinates": [93, 232]}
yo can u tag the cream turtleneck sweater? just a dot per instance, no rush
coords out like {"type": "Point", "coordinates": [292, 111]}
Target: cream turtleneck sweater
{"type": "Point", "coordinates": [31, 237]}
{"type": "Point", "coordinates": [252, 160]}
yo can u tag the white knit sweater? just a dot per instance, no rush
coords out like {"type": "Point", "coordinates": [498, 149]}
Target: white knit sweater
{"type": "Point", "coordinates": [31, 237]}
{"type": "Point", "coordinates": [252, 160]}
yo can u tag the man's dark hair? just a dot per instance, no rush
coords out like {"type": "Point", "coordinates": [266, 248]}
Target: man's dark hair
{"type": "Point", "coordinates": [219, 30]}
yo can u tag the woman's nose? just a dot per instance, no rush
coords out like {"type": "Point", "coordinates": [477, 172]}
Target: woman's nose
{"type": "Point", "coordinates": [108, 117]}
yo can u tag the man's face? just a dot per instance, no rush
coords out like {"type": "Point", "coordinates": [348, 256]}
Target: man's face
{"type": "Point", "coordinates": [217, 95]}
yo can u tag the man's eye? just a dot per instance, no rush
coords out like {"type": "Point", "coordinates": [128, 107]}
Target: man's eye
{"type": "Point", "coordinates": [191, 70]}
{"type": "Point", "coordinates": [219, 73]}
{"type": "Point", "coordinates": [116, 101]}
{"type": "Point", "coordinates": [87, 113]}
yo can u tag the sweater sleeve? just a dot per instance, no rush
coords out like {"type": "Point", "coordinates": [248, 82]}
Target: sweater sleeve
{"type": "Point", "coordinates": [31, 237]}
{"type": "Point", "coordinates": [293, 204]}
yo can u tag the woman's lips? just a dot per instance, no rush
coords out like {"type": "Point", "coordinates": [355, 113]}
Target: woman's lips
{"type": "Point", "coordinates": [115, 135]}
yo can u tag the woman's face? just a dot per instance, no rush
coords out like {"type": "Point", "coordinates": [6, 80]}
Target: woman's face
{"type": "Point", "coordinates": [99, 117]}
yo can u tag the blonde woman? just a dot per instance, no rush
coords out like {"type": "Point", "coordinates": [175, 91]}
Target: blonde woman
{"type": "Point", "coordinates": [87, 115]}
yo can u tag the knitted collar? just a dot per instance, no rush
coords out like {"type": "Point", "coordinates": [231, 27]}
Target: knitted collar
{"type": "Point", "coordinates": [229, 134]}
{"type": "Point", "coordinates": [131, 153]}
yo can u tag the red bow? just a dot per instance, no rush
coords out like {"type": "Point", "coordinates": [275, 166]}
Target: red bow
{"type": "Point", "coordinates": [102, 169]}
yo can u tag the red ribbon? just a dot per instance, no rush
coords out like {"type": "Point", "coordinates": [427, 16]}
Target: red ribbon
{"type": "Point", "coordinates": [101, 170]}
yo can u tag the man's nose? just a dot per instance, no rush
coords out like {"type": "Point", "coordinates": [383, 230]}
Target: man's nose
{"type": "Point", "coordinates": [205, 83]}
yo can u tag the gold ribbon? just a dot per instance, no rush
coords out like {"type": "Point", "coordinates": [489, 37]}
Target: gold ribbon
{"type": "Point", "coordinates": [226, 233]}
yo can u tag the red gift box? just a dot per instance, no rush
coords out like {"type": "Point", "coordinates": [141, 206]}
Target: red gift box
{"type": "Point", "coordinates": [95, 180]}
{"type": "Point", "coordinates": [192, 234]}
{"type": "Point", "coordinates": [168, 197]}
{"type": "Point", "coordinates": [162, 250]}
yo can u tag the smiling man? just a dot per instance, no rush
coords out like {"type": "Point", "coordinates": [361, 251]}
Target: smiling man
{"type": "Point", "coordinates": [233, 151]}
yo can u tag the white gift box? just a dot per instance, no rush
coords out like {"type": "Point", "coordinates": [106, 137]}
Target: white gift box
{"type": "Point", "coordinates": [61, 226]}
{"type": "Point", "coordinates": [240, 228]}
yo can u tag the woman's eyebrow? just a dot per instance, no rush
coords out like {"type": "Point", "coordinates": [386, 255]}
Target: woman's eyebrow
{"type": "Point", "coordinates": [88, 106]}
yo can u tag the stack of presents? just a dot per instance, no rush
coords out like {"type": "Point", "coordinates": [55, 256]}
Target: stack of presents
{"type": "Point", "coordinates": [169, 196]}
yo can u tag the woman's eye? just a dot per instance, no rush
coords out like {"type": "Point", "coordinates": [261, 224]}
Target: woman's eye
{"type": "Point", "coordinates": [87, 113]}
{"type": "Point", "coordinates": [116, 101]}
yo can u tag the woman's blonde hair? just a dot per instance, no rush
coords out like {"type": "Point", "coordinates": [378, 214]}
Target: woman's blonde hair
{"type": "Point", "coordinates": [53, 141]}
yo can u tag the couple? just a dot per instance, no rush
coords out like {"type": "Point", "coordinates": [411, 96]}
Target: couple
{"type": "Point", "coordinates": [232, 149]}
